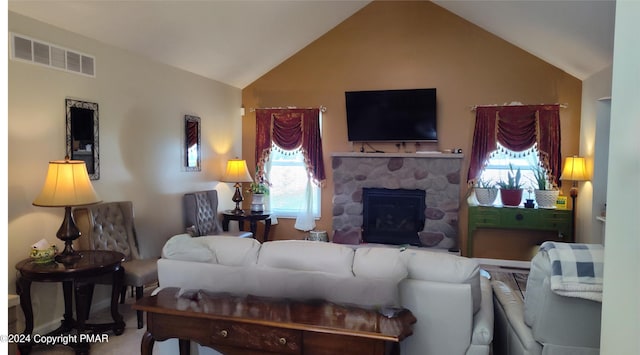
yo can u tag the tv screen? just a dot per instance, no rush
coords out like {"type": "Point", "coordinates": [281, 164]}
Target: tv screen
{"type": "Point", "coordinates": [391, 115]}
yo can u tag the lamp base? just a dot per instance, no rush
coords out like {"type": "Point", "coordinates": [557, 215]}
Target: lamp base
{"type": "Point", "coordinates": [68, 232]}
{"type": "Point", "coordinates": [237, 198]}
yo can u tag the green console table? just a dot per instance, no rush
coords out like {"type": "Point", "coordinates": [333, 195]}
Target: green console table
{"type": "Point", "coordinates": [539, 219]}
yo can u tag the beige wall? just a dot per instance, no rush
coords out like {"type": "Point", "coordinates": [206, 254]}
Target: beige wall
{"type": "Point", "coordinates": [620, 302]}
{"type": "Point", "coordinates": [416, 44]}
{"type": "Point", "coordinates": [141, 105]}
{"type": "Point", "coordinates": [594, 145]}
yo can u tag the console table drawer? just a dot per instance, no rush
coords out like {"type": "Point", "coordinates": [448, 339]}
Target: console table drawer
{"type": "Point", "coordinates": [485, 217]}
{"type": "Point", "coordinates": [257, 337]}
{"type": "Point", "coordinates": [518, 218]}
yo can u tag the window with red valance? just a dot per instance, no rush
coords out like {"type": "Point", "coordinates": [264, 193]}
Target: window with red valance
{"type": "Point", "coordinates": [518, 129]}
{"type": "Point", "coordinates": [290, 129]}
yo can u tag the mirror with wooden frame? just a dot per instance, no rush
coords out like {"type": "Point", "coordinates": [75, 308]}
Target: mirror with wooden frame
{"type": "Point", "coordinates": [191, 155]}
{"type": "Point", "coordinates": [82, 134]}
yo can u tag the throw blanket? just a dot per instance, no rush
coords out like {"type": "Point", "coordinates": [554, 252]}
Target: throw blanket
{"type": "Point", "coordinates": [576, 269]}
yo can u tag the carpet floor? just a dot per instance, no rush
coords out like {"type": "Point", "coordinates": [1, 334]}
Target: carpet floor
{"type": "Point", "coordinates": [515, 278]}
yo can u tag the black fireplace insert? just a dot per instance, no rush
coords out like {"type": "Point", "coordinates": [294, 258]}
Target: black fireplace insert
{"type": "Point", "coordinates": [392, 216]}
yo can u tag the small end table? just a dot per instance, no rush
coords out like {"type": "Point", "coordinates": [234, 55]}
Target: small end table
{"type": "Point", "coordinates": [78, 280]}
{"type": "Point", "coordinates": [252, 217]}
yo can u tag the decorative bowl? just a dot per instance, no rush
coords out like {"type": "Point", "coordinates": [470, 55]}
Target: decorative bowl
{"type": "Point", "coordinates": [43, 256]}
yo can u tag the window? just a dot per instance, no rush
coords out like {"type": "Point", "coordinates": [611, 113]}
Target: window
{"type": "Point", "coordinates": [289, 179]}
{"type": "Point", "coordinates": [497, 168]}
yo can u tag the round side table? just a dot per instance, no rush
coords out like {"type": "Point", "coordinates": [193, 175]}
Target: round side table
{"type": "Point", "coordinates": [78, 280]}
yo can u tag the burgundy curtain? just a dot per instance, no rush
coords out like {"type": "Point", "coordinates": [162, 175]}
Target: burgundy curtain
{"type": "Point", "coordinates": [517, 128]}
{"type": "Point", "coordinates": [290, 129]}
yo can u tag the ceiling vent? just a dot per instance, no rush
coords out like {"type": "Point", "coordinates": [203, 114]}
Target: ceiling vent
{"type": "Point", "coordinates": [50, 55]}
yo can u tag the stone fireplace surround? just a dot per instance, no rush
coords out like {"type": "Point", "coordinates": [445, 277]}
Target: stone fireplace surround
{"type": "Point", "coordinates": [436, 173]}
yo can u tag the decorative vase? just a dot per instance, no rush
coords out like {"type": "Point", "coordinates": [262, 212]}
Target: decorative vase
{"type": "Point", "coordinates": [257, 203]}
{"type": "Point", "coordinates": [511, 197]}
{"type": "Point", "coordinates": [546, 198]}
{"type": "Point", "coordinates": [486, 197]}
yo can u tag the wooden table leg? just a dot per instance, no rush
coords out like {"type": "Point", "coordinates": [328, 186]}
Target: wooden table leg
{"type": "Point", "coordinates": [116, 287]}
{"type": "Point", "coordinates": [23, 288]}
{"type": "Point", "coordinates": [267, 227]}
{"type": "Point", "coordinates": [146, 347]}
{"type": "Point", "coordinates": [185, 346]}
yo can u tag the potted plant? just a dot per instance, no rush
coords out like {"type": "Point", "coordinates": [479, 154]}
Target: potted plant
{"type": "Point", "coordinates": [546, 195]}
{"type": "Point", "coordinates": [511, 190]}
{"type": "Point", "coordinates": [486, 192]}
{"type": "Point", "coordinates": [258, 191]}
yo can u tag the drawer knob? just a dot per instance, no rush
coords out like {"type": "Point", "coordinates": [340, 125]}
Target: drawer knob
{"type": "Point", "coordinates": [282, 341]}
{"type": "Point", "coordinates": [224, 333]}
{"type": "Point", "coordinates": [519, 217]}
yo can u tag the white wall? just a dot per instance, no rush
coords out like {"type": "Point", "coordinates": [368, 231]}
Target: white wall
{"type": "Point", "coordinates": [141, 104]}
{"type": "Point", "coordinates": [621, 304]}
{"type": "Point", "coordinates": [592, 194]}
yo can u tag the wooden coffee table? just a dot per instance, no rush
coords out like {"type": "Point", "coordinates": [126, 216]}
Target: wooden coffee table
{"type": "Point", "coordinates": [254, 325]}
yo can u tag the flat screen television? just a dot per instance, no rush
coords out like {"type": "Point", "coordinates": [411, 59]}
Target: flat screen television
{"type": "Point", "coordinates": [391, 115]}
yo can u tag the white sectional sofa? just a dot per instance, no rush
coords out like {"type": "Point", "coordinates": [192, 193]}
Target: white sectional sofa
{"type": "Point", "coordinates": [452, 303]}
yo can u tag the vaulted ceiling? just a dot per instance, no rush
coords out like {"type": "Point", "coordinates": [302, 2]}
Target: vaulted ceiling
{"type": "Point", "coordinates": [236, 42]}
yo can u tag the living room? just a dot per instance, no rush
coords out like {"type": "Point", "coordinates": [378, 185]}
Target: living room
{"type": "Point", "coordinates": [142, 104]}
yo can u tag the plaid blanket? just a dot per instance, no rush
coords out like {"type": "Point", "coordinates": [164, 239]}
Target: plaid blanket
{"type": "Point", "coordinates": [576, 269]}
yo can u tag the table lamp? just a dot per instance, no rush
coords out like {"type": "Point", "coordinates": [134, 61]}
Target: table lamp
{"type": "Point", "coordinates": [67, 184]}
{"type": "Point", "coordinates": [237, 173]}
{"type": "Point", "coordinates": [575, 169]}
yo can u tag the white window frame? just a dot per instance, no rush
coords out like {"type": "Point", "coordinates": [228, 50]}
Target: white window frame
{"type": "Point", "coordinates": [290, 212]}
{"type": "Point", "coordinates": [498, 167]}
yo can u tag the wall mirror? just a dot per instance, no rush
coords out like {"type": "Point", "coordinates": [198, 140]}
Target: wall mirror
{"type": "Point", "coordinates": [82, 134]}
{"type": "Point", "coordinates": [191, 143]}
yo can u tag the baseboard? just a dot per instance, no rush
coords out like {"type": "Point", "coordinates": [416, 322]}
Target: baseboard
{"type": "Point", "coordinates": [504, 263]}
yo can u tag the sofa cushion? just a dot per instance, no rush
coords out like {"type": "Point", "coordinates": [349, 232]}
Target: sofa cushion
{"type": "Point", "coordinates": [184, 247]}
{"type": "Point", "coordinates": [379, 262]}
{"type": "Point", "coordinates": [306, 255]}
{"type": "Point", "coordinates": [232, 251]}
{"type": "Point", "coordinates": [441, 267]}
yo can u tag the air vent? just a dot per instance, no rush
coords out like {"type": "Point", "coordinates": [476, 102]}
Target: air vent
{"type": "Point", "coordinates": [50, 55]}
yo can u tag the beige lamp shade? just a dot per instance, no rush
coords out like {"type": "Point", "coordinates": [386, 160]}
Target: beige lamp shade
{"type": "Point", "coordinates": [575, 169]}
{"type": "Point", "coordinates": [237, 171]}
{"type": "Point", "coordinates": [67, 184]}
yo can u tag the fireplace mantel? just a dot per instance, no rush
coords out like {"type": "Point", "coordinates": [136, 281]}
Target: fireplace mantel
{"type": "Point", "coordinates": [398, 155]}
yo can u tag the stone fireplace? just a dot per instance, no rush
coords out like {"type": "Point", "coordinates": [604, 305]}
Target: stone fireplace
{"type": "Point", "coordinates": [438, 175]}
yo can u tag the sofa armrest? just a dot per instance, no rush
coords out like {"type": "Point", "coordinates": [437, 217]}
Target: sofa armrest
{"type": "Point", "coordinates": [483, 319]}
{"type": "Point", "coordinates": [512, 335]}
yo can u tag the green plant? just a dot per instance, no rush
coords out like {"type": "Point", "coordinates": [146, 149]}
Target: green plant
{"type": "Point", "coordinates": [485, 184]}
{"type": "Point", "coordinates": [259, 188]}
{"type": "Point", "coordinates": [540, 175]}
{"type": "Point", "coordinates": [513, 180]}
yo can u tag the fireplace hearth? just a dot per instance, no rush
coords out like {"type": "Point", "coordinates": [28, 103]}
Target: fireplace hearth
{"type": "Point", "coordinates": [392, 216]}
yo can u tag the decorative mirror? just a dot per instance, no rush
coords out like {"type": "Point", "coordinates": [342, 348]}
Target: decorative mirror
{"type": "Point", "coordinates": [82, 134]}
{"type": "Point", "coordinates": [191, 143]}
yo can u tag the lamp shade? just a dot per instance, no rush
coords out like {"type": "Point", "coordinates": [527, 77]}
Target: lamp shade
{"type": "Point", "coordinates": [237, 171]}
{"type": "Point", "coordinates": [67, 184]}
{"type": "Point", "coordinates": [575, 169]}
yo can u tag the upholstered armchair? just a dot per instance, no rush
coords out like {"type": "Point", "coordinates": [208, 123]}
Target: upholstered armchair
{"type": "Point", "coordinates": [109, 226]}
{"type": "Point", "coordinates": [551, 320]}
{"type": "Point", "coordinates": [201, 215]}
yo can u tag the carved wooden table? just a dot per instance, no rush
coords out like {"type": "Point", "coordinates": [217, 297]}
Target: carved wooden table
{"type": "Point", "coordinates": [253, 325]}
{"type": "Point", "coordinates": [77, 281]}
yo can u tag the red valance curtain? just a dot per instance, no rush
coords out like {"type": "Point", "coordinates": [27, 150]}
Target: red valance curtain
{"type": "Point", "coordinates": [517, 128]}
{"type": "Point", "coordinates": [290, 129]}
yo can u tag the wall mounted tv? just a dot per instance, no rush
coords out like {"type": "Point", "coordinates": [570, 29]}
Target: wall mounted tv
{"type": "Point", "coordinates": [391, 115]}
